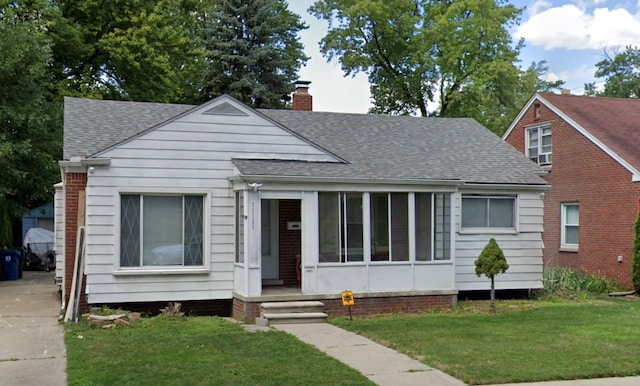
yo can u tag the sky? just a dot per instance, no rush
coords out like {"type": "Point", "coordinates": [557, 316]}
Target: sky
{"type": "Point", "coordinates": [569, 35]}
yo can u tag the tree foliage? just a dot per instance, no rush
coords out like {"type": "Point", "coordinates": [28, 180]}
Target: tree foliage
{"type": "Point", "coordinates": [29, 133]}
{"type": "Point", "coordinates": [490, 263]}
{"type": "Point", "coordinates": [621, 70]}
{"type": "Point", "coordinates": [143, 50]}
{"type": "Point", "coordinates": [183, 51]}
{"type": "Point", "coordinates": [447, 58]}
{"type": "Point", "coordinates": [253, 52]}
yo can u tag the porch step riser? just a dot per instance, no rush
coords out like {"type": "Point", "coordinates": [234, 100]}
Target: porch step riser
{"type": "Point", "coordinates": [293, 312]}
{"type": "Point", "coordinates": [298, 317]}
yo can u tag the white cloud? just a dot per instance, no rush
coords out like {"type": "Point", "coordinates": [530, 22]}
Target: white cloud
{"type": "Point", "coordinates": [572, 75]}
{"type": "Point", "coordinates": [575, 28]}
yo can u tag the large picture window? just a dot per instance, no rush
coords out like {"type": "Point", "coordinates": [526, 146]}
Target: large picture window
{"type": "Point", "coordinates": [570, 225]}
{"type": "Point", "coordinates": [160, 230]}
{"type": "Point", "coordinates": [488, 211]}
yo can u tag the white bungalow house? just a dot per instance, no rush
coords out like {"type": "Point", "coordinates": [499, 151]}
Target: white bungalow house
{"type": "Point", "coordinates": [221, 206]}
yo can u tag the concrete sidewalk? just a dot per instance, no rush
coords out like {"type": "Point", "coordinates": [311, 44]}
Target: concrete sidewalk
{"type": "Point", "coordinates": [388, 367]}
{"type": "Point", "coordinates": [378, 363]}
{"type": "Point", "coordinates": [32, 350]}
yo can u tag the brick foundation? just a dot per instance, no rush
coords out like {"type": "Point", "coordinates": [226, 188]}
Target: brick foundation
{"type": "Point", "coordinates": [364, 306]}
{"type": "Point", "coordinates": [215, 307]}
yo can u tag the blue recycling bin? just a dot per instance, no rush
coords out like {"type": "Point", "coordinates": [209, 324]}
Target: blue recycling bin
{"type": "Point", "coordinates": [10, 263]}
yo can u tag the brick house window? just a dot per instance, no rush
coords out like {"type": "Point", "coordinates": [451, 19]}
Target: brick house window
{"type": "Point", "coordinates": [482, 212]}
{"type": "Point", "coordinates": [539, 144]}
{"type": "Point", "coordinates": [162, 230]}
{"type": "Point", "coordinates": [570, 225]}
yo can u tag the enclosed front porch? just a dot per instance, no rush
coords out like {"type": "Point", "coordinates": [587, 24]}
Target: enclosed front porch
{"type": "Point", "coordinates": [393, 250]}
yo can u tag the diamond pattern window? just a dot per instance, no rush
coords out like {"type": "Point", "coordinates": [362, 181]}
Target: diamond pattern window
{"type": "Point", "coordinates": [161, 230]}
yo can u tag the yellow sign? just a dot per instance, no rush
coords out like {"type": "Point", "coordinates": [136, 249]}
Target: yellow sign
{"type": "Point", "coordinates": [347, 298]}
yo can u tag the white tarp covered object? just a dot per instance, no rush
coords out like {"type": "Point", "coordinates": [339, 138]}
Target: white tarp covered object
{"type": "Point", "coordinates": [39, 240]}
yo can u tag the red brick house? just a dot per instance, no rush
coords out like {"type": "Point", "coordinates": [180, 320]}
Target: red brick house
{"type": "Point", "coordinates": [589, 147]}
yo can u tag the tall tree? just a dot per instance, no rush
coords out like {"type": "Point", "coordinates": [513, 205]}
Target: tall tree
{"type": "Point", "coordinates": [621, 70]}
{"type": "Point", "coordinates": [29, 133]}
{"type": "Point", "coordinates": [253, 52]}
{"type": "Point", "coordinates": [143, 50]}
{"type": "Point", "coordinates": [446, 58]}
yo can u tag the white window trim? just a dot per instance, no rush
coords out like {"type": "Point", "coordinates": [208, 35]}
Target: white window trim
{"type": "Point", "coordinates": [164, 270]}
{"type": "Point", "coordinates": [539, 128]}
{"type": "Point", "coordinates": [563, 225]}
{"type": "Point", "coordinates": [495, 230]}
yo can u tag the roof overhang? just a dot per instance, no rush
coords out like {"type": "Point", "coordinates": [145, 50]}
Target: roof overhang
{"type": "Point", "coordinates": [80, 165]}
{"type": "Point", "coordinates": [240, 180]}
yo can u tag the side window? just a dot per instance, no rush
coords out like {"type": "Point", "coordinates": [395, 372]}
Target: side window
{"type": "Point", "coordinates": [539, 144]}
{"type": "Point", "coordinates": [570, 225]}
{"type": "Point", "coordinates": [488, 211]}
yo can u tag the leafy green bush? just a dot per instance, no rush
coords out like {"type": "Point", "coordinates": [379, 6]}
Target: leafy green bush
{"type": "Point", "coordinates": [566, 283]}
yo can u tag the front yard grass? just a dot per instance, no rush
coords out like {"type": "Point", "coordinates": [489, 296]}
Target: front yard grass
{"type": "Point", "coordinates": [196, 351]}
{"type": "Point", "coordinates": [525, 341]}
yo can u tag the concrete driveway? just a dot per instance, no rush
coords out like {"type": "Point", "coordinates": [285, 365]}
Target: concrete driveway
{"type": "Point", "coordinates": [32, 350]}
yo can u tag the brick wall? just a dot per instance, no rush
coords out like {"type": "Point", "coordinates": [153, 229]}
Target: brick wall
{"type": "Point", "coordinates": [302, 100]}
{"type": "Point", "coordinates": [289, 242]}
{"type": "Point", "coordinates": [608, 200]}
{"type": "Point", "coordinates": [73, 185]}
{"type": "Point", "coordinates": [362, 307]}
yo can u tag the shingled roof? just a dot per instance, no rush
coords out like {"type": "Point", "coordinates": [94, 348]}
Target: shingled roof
{"type": "Point", "coordinates": [614, 122]}
{"type": "Point", "coordinates": [375, 147]}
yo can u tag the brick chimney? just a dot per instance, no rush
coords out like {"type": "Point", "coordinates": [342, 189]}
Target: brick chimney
{"type": "Point", "coordinates": [302, 100]}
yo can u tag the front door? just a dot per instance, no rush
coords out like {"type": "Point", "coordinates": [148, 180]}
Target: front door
{"type": "Point", "coordinates": [269, 231]}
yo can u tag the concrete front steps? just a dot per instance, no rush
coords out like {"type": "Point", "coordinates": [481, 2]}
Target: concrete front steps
{"type": "Point", "coordinates": [291, 312]}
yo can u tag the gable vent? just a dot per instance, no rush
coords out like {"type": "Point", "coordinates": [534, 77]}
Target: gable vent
{"type": "Point", "coordinates": [225, 109]}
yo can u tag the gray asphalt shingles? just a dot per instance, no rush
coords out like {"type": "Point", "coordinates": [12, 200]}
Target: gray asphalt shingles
{"type": "Point", "coordinates": [376, 147]}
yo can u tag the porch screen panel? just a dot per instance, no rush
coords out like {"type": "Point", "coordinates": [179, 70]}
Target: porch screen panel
{"type": "Point", "coordinates": [329, 227]}
{"type": "Point", "coordinates": [423, 226]}
{"type": "Point", "coordinates": [162, 230]}
{"type": "Point", "coordinates": [442, 226]}
{"type": "Point", "coordinates": [352, 234]}
{"type": "Point", "coordinates": [399, 227]}
{"type": "Point", "coordinates": [193, 230]}
{"type": "Point", "coordinates": [379, 226]}
{"type": "Point", "coordinates": [129, 231]}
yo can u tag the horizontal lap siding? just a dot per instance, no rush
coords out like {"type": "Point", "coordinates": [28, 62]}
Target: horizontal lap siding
{"type": "Point", "coordinates": [522, 250]}
{"type": "Point", "coordinates": [191, 154]}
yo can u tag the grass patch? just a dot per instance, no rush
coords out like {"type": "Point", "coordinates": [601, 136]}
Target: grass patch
{"type": "Point", "coordinates": [196, 351]}
{"type": "Point", "coordinates": [525, 341]}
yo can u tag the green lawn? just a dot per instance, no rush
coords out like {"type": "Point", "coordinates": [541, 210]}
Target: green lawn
{"type": "Point", "coordinates": [524, 341]}
{"type": "Point", "coordinates": [196, 351]}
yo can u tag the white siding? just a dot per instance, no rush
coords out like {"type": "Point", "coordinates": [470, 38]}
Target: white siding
{"type": "Point", "coordinates": [189, 155]}
{"type": "Point", "coordinates": [58, 230]}
{"type": "Point", "coordinates": [522, 250]}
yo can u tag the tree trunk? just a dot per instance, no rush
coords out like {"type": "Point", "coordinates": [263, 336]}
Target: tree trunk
{"type": "Point", "coordinates": [493, 297]}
